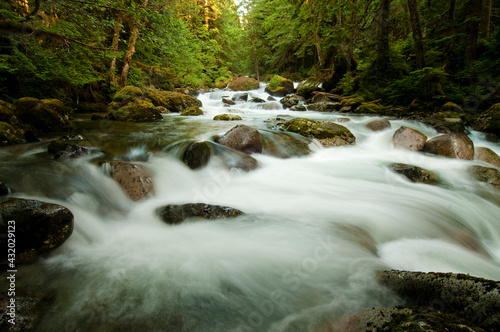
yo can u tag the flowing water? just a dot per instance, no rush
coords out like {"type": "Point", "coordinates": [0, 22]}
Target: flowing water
{"type": "Point", "coordinates": [316, 228]}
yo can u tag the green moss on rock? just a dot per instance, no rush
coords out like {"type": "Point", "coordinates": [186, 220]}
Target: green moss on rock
{"type": "Point", "coordinates": [242, 83]}
{"type": "Point", "coordinates": [227, 117]}
{"type": "Point", "coordinates": [127, 94]}
{"type": "Point", "coordinates": [6, 111]}
{"type": "Point", "coordinates": [489, 121]}
{"type": "Point", "coordinates": [192, 111]}
{"type": "Point", "coordinates": [280, 86]}
{"type": "Point", "coordinates": [327, 132]}
{"type": "Point", "coordinates": [172, 101]}
{"type": "Point", "coordinates": [137, 111]}
{"type": "Point", "coordinates": [9, 135]}
{"type": "Point", "coordinates": [45, 115]}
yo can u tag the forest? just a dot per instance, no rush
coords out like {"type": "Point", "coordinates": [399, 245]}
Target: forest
{"type": "Point", "coordinates": [393, 51]}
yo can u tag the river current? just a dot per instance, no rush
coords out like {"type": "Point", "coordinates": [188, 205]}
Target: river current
{"type": "Point", "coordinates": [316, 228]}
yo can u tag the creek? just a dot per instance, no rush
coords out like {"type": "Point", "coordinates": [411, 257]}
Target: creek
{"type": "Point", "coordinates": [316, 228]}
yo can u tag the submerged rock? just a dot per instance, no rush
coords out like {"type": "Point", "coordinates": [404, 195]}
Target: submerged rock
{"type": "Point", "coordinates": [379, 125]}
{"type": "Point", "coordinates": [474, 299]}
{"type": "Point", "coordinates": [451, 145]}
{"type": "Point", "coordinates": [284, 145]}
{"type": "Point", "coordinates": [227, 117]}
{"type": "Point", "coordinates": [487, 175]}
{"type": "Point", "coordinates": [409, 139]}
{"type": "Point", "coordinates": [326, 132]}
{"type": "Point", "coordinates": [192, 111]}
{"type": "Point", "coordinates": [39, 227]}
{"type": "Point", "coordinates": [172, 101]}
{"type": "Point", "coordinates": [242, 83]}
{"type": "Point", "coordinates": [240, 97]}
{"type": "Point", "coordinates": [175, 214]}
{"type": "Point", "coordinates": [134, 179]}
{"type": "Point", "coordinates": [197, 155]}
{"type": "Point", "coordinates": [242, 138]}
{"type": "Point", "coordinates": [414, 173]}
{"type": "Point", "coordinates": [488, 156]}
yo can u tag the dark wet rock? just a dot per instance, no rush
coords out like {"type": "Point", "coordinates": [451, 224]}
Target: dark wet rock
{"type": "Point", "coordinates": [39, 227]}
{"type": "Point", "coordinates": [487, 175]}
{"type": "Point", "coordinates": [345, 109]}
{"type": "Point", "coordinates": [64, 149]}
{"type": "Point", "coordinates": [138, 110]}
{"type": "Point", "coordinates": [285, 145]}
{"type": "Point", "coordinates": [305, 89]}
{"type": "Point", "coordinates": [400, 318]}
{"type": "Point", "coordinates": [256, 100]}
{"type": "Point", "coordinates": [409, 139]}
{"type": "Point", "coordinates": [326, 132]}
{"type": "Point", "coordinates": [270, 98]}
{"type": "Point", "coordinates": [192, 111]}
{"type": "Point", "coordinates": [4, 190]}
{"type": "Point", "coordinates": [227, 117]}
{"type": "Point", "coordinates": [489, 121]}
{"type": "Point", "coordinates": [29, 310]}
{"type": "Point", "coordinates": [320, 98]}
{"type": "Point", "coordinates": [487, 155]}
{"type": "Point", "coordinates": [228, 101]}
{"type": "Point", "coordinates": [73, 137]}
{"type": "Point", "coordinates": [451, 145]}
{"type": "Point", "coordinates": [379, 125]}
{"type": "Point", "coordinates": [414, 173]}
{"type": "Point", "coordinates": [197, 155]}
{"type": "Point", "coordinates": [45, 115]}
{"type": "Point", "coordinates": [242, 138]}
{"type": "Point", "coordinates": [134, 179]}
{"type": "Point", "coordinates": [280, 86]}
{"type": "Point", "coordinates": [343, 120]}
{"type": "Point", "coordinates": [172, 101]}
{"type": "Point", "coordinates": [91, 108]}
{"type": "Point", "coordinates": [298, 108]}
{"type": "Point", "coordinates": [292, 100]}
{"type": "Point", "coordinates": [325, 107]}
{"type": "Point", "coordinates": [240, 97]}
{"type": "Point", "coordinates": [175, 214]}
{"type": "Point", "coordinates": [451, 107]}
{"type": "Point", "coordinates": [446, 122]}
{"type": "Point", "coordinates": [475, 300]}
{"type": "Point", "coordinates": [242, 83]}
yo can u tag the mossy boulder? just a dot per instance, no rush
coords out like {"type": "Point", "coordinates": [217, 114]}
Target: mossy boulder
{"type": "Point", "coordinates": [326, 132]}
{"type": "Point", "coordinates": [320, 98]}
{"type": "Point", "coordinates": [280, 86]}
{"type": "Point", "coordinates": [370, 108]}
{"type": "Point", "coordinates": [488, 156]}
{"type": "Point", "coordinates": [351, 101]}
{"type": "Point", "coordinates": [489, 121]}
{"type": "Point", "coordinates": [227, 117]}
{"type": "Point", "coordinates": [45, 115]}
{"type": "Point", "coordinates": [222, 81]}
{"type": "Point", "coordinates": [128, 94]}
{"type": "Point", "coordinates": [451, 145]}
{"type": "Point", "coordinates": [138, 110]}
{"type": "Point", "coordinates": [192, 111]}
{"type": "Point", "coordinates": [9, 135]}
{"type": "Point", "coordinates": [451, 107]}
{"type": "Point", "coordinates": [172, 101]}
{"type": "Point", "coordinates": [40, 227]}
{"type": "Point", "coordinates": [6, 111]}
{"type": "Point", "coordinates": [242, 83]}
{"type": "Point", "coordinates": [175, 214]}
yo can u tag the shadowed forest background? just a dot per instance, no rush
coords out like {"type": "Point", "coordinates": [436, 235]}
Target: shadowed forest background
{"type": "Point", "coordinates": [393, 51]}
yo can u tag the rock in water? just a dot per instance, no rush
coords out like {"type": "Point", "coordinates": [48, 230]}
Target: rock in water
{"type": "Point", "coordinates": [290, 101]}
{"type": "Point", "coordinates": [414, 173]}
{"type": "Point", "coordinates": [409, 139]}
{"type": "Point", "coordinates": [172, 101]}
{"type": "Point", "coordinates": [133, 178]}
{"type": "Point", "coordinates": [175, 214]}
{"type": "Point", "coordinates": [379, 125]}
{"type": "Point", "coordinates": [486, 174]}
{"type": "Point", "coordinates": [326, 132]}
{"type": "Point", "coordinates": [476, 300]}
{"type": "Point", "coordinates": [242, 138]}
{"type": "Point", "coordinates": [197, 155]}
{"type": "Point", "coordinates": [39, 227]}
{"type": "Point", "coordinates": [280, 86]}
{"type": "Point", "coordinates": [242, 83]}
{"type": "Point", "coordinates": [489, 121]}
{"type": "Point", "coordinates": [62, 149]}
{"type": "Point", "coordinates": [451, 145]}
{"type": "Point", "coordinates": [227, 117]}
{"type": "Point", "coordinates": [192, 111]}
{"type": "Point", "coordinates": [488, 156]}
{"type": "Point", "coordinates": [45, 115]}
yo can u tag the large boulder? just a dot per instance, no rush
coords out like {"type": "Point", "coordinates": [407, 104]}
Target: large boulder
{"type": "Point", "coordinates": [489, 121]}
{"type": "Point", "coordinates": [379, 125]}
{"type": "Point", "coordinates": [242, 138]}
{"type": "Point", "coordinates": [172, 101]}
{"type": "Point", "coordinates": [327, 106]}
{"type": "Point", "coordinates": [451, 145]}
{"type": "Point", "coordinates": [45, 115]}
{"type": "Point", "coordinates": [192, 111]}
{"type": "Point", "coordinates": [4, 190]}
{"type": "Point", "coordinates": [476, 300]}
{"type": "Point", "coordinates": [285, 145]}
{"type": "Point", "coordinates": [227, 117]}
{"type": "Point", "coordinates": [414, 173]}
{"type": "Point", "coordinates": [128, 94]}
{"type": "Point", "coordinates": [242, 83]}
{"type": "Point", "coordinates": [175, 214]}
{"type": "Point", "coordinates": [446, 122]}
{"type": "Point", "coordinates": [197, 155]}
{"type": "Point", "coordinates": [138, 110]}
{"type": "Point", "coordinates": [39, 227]}
{"type": "Point", "coordinates": [320, 98]}
{"type": "Point", "coordinates": [487, 175]}
{"type": "Point", "coordinates": [134, 179]}
{"type": "Point", "coordinates": [409, 139]}
{"type": "Point", "coordinates": [488, 156]}
{"type": "Point", "coordinates": [10, 135]}
{"type": "Point", "coordinates": [6, 111]}
{"type": "Point", "coordinates": [326, 132]}
{"type": "Point", "coordinates": [290, 101]}
{"type": "Point", "coordinates": [279, 86]}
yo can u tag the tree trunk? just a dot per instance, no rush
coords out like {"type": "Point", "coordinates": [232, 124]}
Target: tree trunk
{"type": "Point", "coordinates": [472, 30]}
{"type": "Point", "coordinates": [383, 47]}
{"type": "Point", "coordinates": [319, 49]}
{"type": "Point", "coordinates": [486, 18]}
{"type": "Point", "coordinates": [114, 47]}
{"type": "Point", "coordinates": [134, 35]}
{"type": "Point", "coordinates": [417, 33]}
